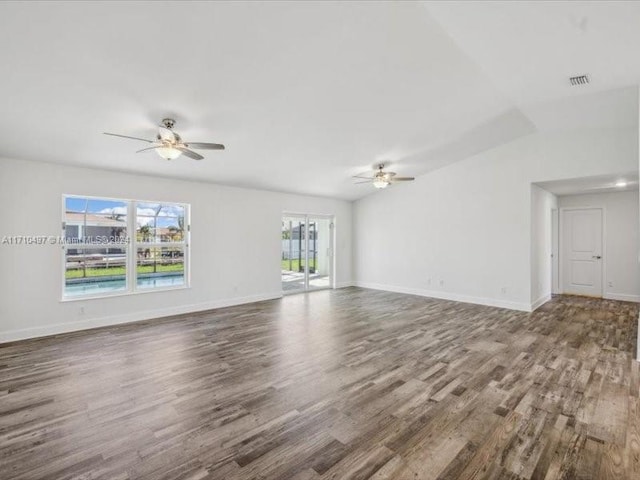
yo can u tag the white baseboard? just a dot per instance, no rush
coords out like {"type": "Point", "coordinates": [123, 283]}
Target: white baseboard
{"type": "Point", "coordinates": [624, 297]}
{"type": "Point", "coordinates": [491, 302]}
{"type": "Point", "coordinates": [638, 341]}
{"type": "Point", "coordinates": [43, 331]}
{"type": "Point", "coordinates": [541, 301]}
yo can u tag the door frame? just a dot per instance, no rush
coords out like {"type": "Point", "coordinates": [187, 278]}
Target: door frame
{"type": "Point", "coordinates": [603, 270]}
{"type": "Point", "coordinates": [555, 251]}
{"type": "Point", "coordinates": [332, 238]}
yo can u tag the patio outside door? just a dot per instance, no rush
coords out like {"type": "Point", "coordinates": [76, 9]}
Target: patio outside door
{"type": "Point", "coordinates": [307, 253]}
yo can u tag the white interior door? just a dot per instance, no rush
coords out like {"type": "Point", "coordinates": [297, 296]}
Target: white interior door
{"type": "Point", "coordinates": [581, 255]}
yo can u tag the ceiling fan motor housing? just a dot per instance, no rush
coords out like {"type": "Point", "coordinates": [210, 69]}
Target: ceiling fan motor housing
{"type": "Point", "coordinates": [168, 123]}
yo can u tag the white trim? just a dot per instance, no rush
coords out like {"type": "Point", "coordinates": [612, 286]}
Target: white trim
{"type": "Point", "coordinates": [122, 293]}
{"type": "Point", "coordinates": [555, 255]}
{"type": "Point", "coordinates": [491, 302]}
{"type": "Point", "coordinates": [131, 273]}
{"type": "Point", "coordinates": [624, 297]}
{"type": "Point", "coordinates": [541, 301]}
{"type": "Point", "coordinates": [130, 248]}
{"type": "Point", "coordinates": [290, 213]}
{"type": "Point", "coordinates": [638, 341]}
{"type": "Point", "coordinates": [34, 332]}
{"type": "Point", "coordinates": [344, 284]}
{"type": "Point", "coordinates": [332, 241]}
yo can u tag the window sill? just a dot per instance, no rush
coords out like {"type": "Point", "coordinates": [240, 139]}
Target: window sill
{"type": "Point", "coordinates": [122, 294]}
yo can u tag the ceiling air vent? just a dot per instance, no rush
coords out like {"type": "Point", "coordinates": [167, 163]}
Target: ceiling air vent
{"type": "Point", "coordinates": [579, 80]}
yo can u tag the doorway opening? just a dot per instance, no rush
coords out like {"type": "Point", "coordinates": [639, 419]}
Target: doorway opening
{"type": "Point", "coordinates": [307, 260]}
{"type": "Point", "coordinates": [588, 228]}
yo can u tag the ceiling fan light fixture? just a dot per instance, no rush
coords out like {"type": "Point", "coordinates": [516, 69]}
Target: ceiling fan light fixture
{"type": "Point", "coordinates": [380, 182]}
{"type": "Point", "coordinates": [169, 145]}
{"type": "Point", "coordinates": [168, 153]}
{"type": "Point", "coordinates": [382, 179]}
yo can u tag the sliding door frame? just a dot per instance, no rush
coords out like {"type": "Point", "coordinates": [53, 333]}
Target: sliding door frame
{"type": "Point", "coordinates": [306, 217]}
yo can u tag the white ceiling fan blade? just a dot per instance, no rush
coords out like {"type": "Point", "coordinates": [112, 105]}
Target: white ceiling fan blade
{"type": "Point", "coordinates": [127, 136]}
{"type": "Point", "coordinates": [149, 148]}
{"type": "Point", "coordinates": [366, 181]}
{"type": "Point", "coordinates": [402, 179]}
{"type": "Point", "coordinates": [363, 176]}
{"type": "Point", "coordinates": [189, 153]}
{"type": "Point", "coordinates": [205, 146]}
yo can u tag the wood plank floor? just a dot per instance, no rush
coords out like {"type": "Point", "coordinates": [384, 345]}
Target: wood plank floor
{"type": "Point", "coordinates": [345, 384]}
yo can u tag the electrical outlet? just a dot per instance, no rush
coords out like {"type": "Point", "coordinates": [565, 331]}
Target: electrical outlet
{"type": "Point", "coordinates": [428, 281]}
{"type": "Point", "coordinates": [81, 311]}
{"type": "Point", "coordinates": [441, 283]}
{"type": "Point", "coordinates": [610, 284]}
{"type": "Point", "coordinates": [503, 290]}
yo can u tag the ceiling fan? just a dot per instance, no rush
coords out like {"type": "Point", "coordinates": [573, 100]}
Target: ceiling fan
{"type": "Point", "coordinates": [169, 145]}
{"type": "Point", "coordinates": [382, 179]}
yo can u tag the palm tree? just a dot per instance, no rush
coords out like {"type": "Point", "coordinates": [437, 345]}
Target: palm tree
{"type": "Point", "coordinates": [145, 233]}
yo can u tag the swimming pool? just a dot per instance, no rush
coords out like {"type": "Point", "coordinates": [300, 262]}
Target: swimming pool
{"type": "Point", "coordinates": [119, 285]}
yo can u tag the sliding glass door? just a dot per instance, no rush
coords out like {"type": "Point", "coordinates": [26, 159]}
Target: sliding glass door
{"type": "Point", "coordinates": [307, 253]}
{"type": "Point", "coordinates": [320, 252]}
{"type": "Point", "coordinates": [293, 266]}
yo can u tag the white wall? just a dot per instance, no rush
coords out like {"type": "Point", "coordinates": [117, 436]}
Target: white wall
{"type": "Point", "coordinates": [542, 204]}
{"type": "Point", "coordinates": [464, 232]}
{"type": "Point", "coordinates": [621, 227]}
{"type": "Point", "coordinates": [235, 245]}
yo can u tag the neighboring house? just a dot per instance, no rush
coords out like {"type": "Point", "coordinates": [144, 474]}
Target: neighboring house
{"type": "Point", "coordinates": [293, 242]}
{"type": "Point", "coordinates": [92, 228]}
{"type": "Point", "coordinates": [168, 234]}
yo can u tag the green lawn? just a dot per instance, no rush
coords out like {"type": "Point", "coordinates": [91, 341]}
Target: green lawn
{"type": "Point", "coordinates": [175, 267]}
{"type": "Point", "coordinates": [295, 264]}
{"type": "Point", "coordinates": [102, 272]}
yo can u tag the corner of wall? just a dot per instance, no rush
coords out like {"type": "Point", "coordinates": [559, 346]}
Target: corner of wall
{"type": "Point", "coordinates": [539, 302]}
{"type": "Point", "coordinates": [455, 297]}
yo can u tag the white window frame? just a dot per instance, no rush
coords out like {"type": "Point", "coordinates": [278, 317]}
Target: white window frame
{"type": "Point", "coordinates": [131, 249]}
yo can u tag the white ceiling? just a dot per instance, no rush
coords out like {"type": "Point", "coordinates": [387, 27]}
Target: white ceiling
{"type": "Point", "coordinates": [306, 94]}
{"type": "Point", "coordinates": [600, 184]}
{"type": "Point", "coordinates": [530, 48]}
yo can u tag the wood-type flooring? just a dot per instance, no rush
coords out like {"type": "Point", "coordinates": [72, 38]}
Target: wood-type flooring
{"type": "Point", "coordinates": [342, 384]}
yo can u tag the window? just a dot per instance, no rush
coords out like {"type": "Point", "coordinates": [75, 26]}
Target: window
{"type": "Point", "coordinates": [160, 245]}
{"type": "Point", "coordinates": [123, 246]}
